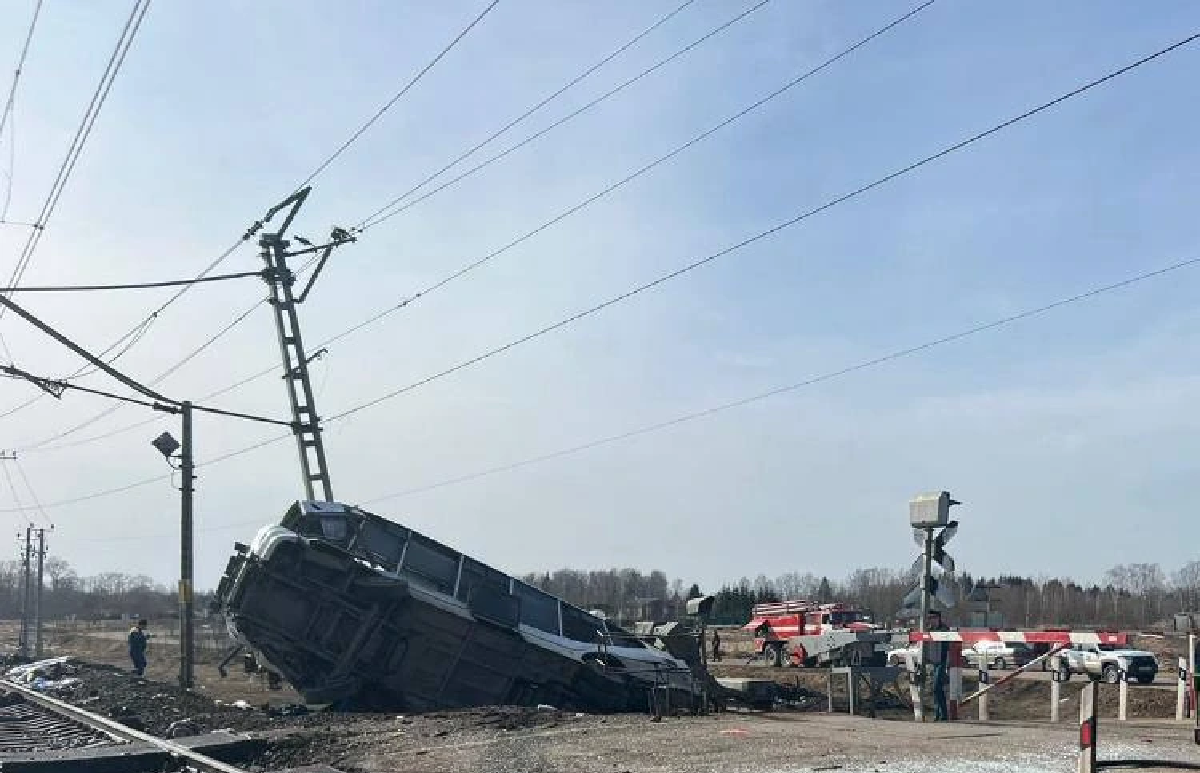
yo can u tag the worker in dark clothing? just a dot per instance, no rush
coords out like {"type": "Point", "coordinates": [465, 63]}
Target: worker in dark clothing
{"type": "Point", "coordinates": [137, 647]}
{"type": "Point", "coordinates": [716, 644]}
{"type": "Point", "coordinates": [939, 653]}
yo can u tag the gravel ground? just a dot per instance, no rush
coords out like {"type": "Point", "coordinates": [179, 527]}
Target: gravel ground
{"type": "Point", "coordinates": [729, 743]}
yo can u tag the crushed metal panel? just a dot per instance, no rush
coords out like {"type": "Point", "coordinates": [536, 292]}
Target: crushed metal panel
{"type": "Point", "coordinates": [354, 609]}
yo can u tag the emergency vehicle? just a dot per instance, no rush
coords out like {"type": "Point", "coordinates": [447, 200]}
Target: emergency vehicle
{"type": "Point", "coordinates": [808, 633]}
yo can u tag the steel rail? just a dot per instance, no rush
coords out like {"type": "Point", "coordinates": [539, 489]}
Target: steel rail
{"type": "Point", "coordinates": [188, 757]}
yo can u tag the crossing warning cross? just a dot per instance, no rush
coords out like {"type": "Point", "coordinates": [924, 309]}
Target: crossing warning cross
{"type": "Point", "coordinates": [929, 515]}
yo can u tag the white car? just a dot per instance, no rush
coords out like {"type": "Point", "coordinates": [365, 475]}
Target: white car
{"type": "Point", "coordinates": [899, 657]}
{"type": "Point", "coordinates": [990, 654]}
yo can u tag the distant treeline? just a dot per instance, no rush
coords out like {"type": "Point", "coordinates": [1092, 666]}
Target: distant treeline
{"type": "Point", "coordinates": [1131, 596]}
{"type": "Point", "coordinates": [109, 595]}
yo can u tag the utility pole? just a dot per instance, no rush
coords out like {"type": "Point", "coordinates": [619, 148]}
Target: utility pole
{"type": "Point", "coordinates": [306, 423]}
{"type": "Point", "coordinates": [25, 588]}
{"type": "Point", "coordinates": [167, 446]}
{"type": "Point", "coordinates": [37, 603]}
{"type": "Point", "coordinates": [187, 466]}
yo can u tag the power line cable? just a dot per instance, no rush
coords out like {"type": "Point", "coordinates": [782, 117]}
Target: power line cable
{"type": "Point", "coordinates": [378, 316]}
{"type": "Point", "coordinates": [99, 96]}
{"type": "Point", "coordinates": [254, 228]}
{"type": "Point", "coordinates": [84, 130]}
{"type": "Point", "coordinates": [79, 350]}
{"type": "Point", "coordinates": [802, 216]}
{"type": "Point", "coordinates": [395, 206]}
{"type": "Point", "coordinates": [812, 381]}
{"type": "Point", "coordinates": [19, 69]}
{"type": "Point", "coordinates": [32, 493]}
{"type": "Point", "coordinates": [9, 104]}
{"type": "Point", "coordinates": [8, 177]}
{"type": "Point", "coordinates": [763, 234]}
{"type": "Point", "coordinates": [129, 340]}
{"type": "Point", "coordinates": [96, 494]}
{"type": "Point", "coordinates": [170, 406]}
{"type": "Point", "coordinates": [131, 285]}
{"type": "Point", "coordinates": [45, 443]}
{"type": "Point", "coordinates": [13, 488]}
{"type": "Point", "coordinates": [833, 202]}
{"type": "Point", "coordinates": [388, 105]}
{"type": "Point", "coordinates": [538, 106]}
{"type": "Point", "coordinates": [862, 365]}
{"type": "Point", "coordinates": [694, 140]}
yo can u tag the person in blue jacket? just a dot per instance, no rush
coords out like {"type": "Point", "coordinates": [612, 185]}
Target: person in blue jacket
{"type": "Point", "coordinates": [137, 647]}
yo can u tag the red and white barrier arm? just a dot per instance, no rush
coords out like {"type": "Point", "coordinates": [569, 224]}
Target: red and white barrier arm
{"type": "Point", "coordinates": [1021, 670]}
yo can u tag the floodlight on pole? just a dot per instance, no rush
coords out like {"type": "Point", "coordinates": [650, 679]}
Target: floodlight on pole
{"type": "Point", "coordinates": [166, 444]}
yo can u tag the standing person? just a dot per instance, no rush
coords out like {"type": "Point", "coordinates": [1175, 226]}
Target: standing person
{"type": "Point", "coordinates": [716, 645]}
{"type": "Point", "coordinates": [137, 647]}
{"type": "Point", "coordinates": [938, 655]}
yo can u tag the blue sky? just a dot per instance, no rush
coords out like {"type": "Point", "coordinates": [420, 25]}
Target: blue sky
{"type": "Point", "coordinates": [1059, 433]}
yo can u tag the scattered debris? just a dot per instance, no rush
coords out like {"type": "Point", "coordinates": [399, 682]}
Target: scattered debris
{"type": "Point", "coordinates": [52, 675]}
{"type": "Point", "coordinates": [181, 728]}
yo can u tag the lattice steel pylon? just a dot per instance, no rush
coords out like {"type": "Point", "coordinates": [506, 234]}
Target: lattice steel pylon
{"type": "Point", "coordinates": [306, 423]}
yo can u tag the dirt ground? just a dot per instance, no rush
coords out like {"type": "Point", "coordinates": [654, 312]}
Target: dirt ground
{"type": "Point", "coordinates": [512, 740]}
{"type": "Point", "coordinates": [163, 665]}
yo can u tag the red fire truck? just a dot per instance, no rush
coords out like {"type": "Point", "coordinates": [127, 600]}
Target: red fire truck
{"type": "Point", "coordinates": [807, 633]}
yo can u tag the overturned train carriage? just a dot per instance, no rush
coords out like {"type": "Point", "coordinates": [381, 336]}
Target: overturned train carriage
{"type": "Point", "coordinates": [354, 609]}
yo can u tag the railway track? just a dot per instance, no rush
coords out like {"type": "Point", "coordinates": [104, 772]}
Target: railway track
{"type": "Point", "coordinates": [42, 734]}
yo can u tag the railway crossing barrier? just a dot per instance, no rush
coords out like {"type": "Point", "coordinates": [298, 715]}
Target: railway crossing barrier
{"type": "Point", "coordinates": [919, 675]}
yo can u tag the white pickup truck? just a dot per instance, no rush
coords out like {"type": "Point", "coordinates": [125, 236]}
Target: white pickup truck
{"type": "Point", "coordinates": [1106, 662]}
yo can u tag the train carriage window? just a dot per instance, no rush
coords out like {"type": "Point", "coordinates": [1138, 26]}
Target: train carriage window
{"type": "Point", "coordinates": [579, 625]}
{"type": "Point", "coordinates": [538, 610]}
{"type": "Point", "coordinates": [434, 563]}
{"type": "Point", "coordinates": [382, 542]}
{"type": "Point", "coordinates": [475, 574]}
{"type": "Point", "coordinates": [335, 528]}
